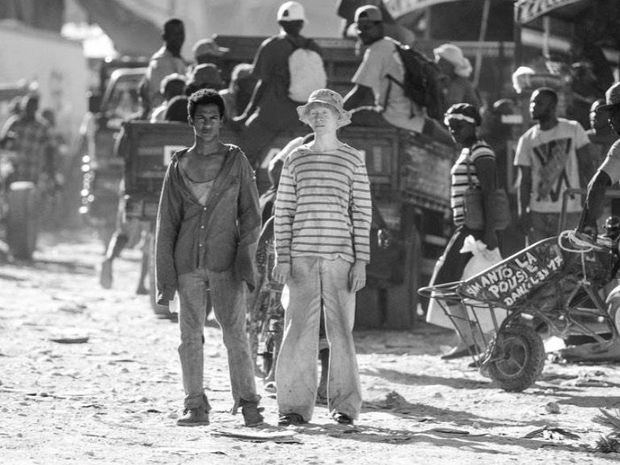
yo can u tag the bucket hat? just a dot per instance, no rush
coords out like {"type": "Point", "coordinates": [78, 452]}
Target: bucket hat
{"type": "Point", "coordinates": [326, 97]}
{"type": "Point", "coordinates": [454, 55]}
{"type": "Point", "coordinates": [612, 98]}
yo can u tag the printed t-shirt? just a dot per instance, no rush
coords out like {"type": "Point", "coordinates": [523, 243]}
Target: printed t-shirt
{"type": "Point", "coordinates": [552, 157]}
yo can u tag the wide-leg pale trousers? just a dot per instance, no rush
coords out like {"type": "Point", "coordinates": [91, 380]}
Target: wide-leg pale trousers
{"type": "Point", "coordinates": [313, 279]}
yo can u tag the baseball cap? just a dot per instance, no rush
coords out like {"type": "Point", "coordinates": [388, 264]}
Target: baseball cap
{"type": "Point", "coordinates": [291, 11]}
{"type": "Point", "coordinates": [209, 47]}
{"type": "Point", "coordinates": [368, 13]}
{"type": "Point", "coordinates": [612, 97]}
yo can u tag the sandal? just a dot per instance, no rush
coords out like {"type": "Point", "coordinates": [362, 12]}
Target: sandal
{"type": "Point", "coordinates": [342, 418]}
{"type": "Point", "coordinates": [288, 419]}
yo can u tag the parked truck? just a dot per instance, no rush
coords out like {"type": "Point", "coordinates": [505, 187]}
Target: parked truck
{"type": "Point", "coordinates": [102, 171]}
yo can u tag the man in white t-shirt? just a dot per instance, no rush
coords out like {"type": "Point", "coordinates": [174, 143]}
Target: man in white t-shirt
{"type": "Point", "coordinates": [165, 61]}
{"type": "Point", "coordinates": [376, 99]}
{"type": "Point", "coordinates": [547, 157]}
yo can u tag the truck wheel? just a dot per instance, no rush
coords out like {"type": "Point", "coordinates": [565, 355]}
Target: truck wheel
{"type": "Point", "coordinates": [22, 220]}
{"type": "Point", "coordinates": [161, 311]}
{"type": "Point", "coordinates": [519, 357]}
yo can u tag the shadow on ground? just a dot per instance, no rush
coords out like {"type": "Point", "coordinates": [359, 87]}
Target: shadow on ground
{"type": "Point", "coordinates": [439, 437]}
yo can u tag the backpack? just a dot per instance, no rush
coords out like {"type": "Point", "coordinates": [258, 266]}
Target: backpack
{"type": "Point", "coordinates": [421, 81]}
{"type": "Point", "coordinates": [307, 73]}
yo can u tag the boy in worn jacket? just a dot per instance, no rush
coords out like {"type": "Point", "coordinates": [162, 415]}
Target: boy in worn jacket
{"type": "Point", "coordinates": [207, 228]}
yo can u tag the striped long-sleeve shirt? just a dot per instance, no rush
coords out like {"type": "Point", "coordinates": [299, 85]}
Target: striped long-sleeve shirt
{"type": "Point", "coordinates": [323, 206]}
{"type": "Point", "coordinates": [460, 180]}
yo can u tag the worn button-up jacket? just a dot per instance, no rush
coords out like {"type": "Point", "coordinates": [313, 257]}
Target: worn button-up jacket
{"type": "Point", "coordinates": [218, 236]}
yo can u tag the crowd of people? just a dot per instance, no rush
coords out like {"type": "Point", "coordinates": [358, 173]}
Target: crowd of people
{"type": "Point", "coordinates": [210, 217]}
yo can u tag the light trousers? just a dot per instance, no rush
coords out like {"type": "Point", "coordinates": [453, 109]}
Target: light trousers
{"type": "Point", "coordinates": [229, 308]}
{"type": "Point", "coordinates": [313, 279]}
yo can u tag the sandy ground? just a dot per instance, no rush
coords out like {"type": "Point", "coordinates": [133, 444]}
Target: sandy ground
{"type": "Point", "coordinates": [115, 398]}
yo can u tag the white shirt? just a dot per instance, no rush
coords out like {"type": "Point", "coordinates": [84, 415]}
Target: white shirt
{"type": "Point", "coordinates": [380, 60]}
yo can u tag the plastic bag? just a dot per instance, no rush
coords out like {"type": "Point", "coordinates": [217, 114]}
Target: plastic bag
{"type": "Point", "coordinates": [435, 314]}
{"type": "Point", "coordinates": [482, 259]}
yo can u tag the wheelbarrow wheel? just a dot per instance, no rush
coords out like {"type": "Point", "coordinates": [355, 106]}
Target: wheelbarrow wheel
{"type": "Point", "coordinates": [518, 358]}
{"type": "Point", "coordinates": [255, 323]}
{"type": "Point", "coordinates": [269, 355]}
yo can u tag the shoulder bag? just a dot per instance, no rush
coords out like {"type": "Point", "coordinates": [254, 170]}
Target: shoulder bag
{"type": "Point", "coordinates": [473, 206]}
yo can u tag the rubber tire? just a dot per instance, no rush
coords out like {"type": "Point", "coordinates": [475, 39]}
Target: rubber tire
{"type": "Point", "coordinates": [255, 325]}
{"type": "Point", "coordinates": [270, 356]}
{"type": "Point", "coordinates": [523, 345]}
{"type": "Point", "coordinates": [162, 311]}
{"type": "Point", "coordinates": [22, 229]}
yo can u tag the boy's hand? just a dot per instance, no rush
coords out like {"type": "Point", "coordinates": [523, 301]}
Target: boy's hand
{"type": "Point", "coordinates": [281, 272]}
{"type": "Point", "coordinates": [357, 276]}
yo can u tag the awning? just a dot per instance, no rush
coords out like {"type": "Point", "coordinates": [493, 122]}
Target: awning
{"type": "Point", "coordinates": [131, 33]}
{"type": "Point", "coordinates": [528, 10]}
{"type": "Point", "coordinates": [398, 8]}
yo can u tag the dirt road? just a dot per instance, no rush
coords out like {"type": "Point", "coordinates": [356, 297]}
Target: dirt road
{"type": "Point", "coordinates": [114, 398]}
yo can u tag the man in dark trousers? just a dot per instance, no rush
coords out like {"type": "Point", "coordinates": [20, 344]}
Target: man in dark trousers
{"type": "Point", "coordinates": [270, 109]}
{"type": "Point", "coordinates": [207, 230]}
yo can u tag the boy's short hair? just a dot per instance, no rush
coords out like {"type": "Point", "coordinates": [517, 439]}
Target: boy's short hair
{"type": "Point", "coordinates": [205, 97]}
{"type": "Point", "coordinates": [170, 80]}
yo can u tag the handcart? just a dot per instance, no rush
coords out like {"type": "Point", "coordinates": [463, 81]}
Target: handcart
{"type": "Point", "coordinates": [551, 287]}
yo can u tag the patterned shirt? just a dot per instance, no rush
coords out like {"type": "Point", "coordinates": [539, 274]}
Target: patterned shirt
{"type": "Point", "coordinates": [552, 156]}
{"type": "Point", "coordinates": [32, 143]}
{"type": "Point", "coordinates": [323, 206]}
{"type": "Point", "coordinates": [460, 180]}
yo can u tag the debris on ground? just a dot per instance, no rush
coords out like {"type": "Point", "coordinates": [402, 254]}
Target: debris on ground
{"type": "Point", "coordinates": [281, 437]}
{"type": "Point", "coordinates": [70, 340]}
{"type": "Point", "coordinates": [551, 432]}
{"type": "Point", "coordinates": [609, 418]}
{"type": "Point", "coordinates": [608, 444]}
{"type": "Point", "coordinates": [392, 401]}
{"type": "Point", "coordinates": [459, 432]}
{"type": "Point", "coordinates": [552, 407]}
